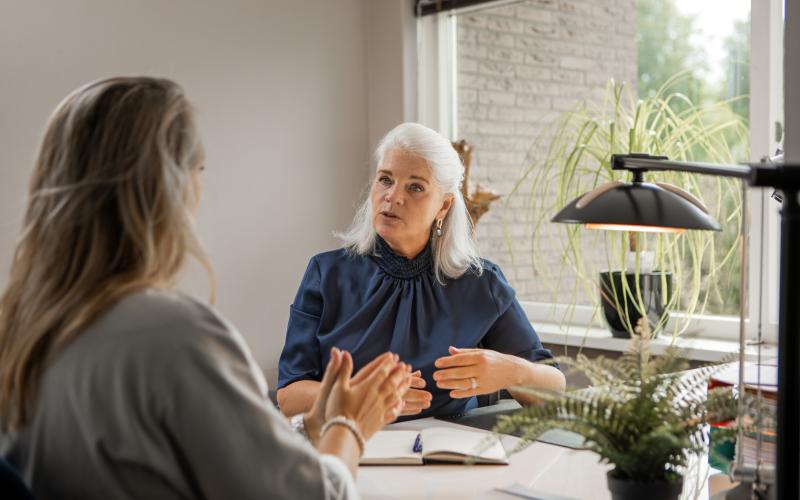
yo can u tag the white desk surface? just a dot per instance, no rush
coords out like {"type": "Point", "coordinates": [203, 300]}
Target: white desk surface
{"type": "Point", "coordinates": [545, 468]}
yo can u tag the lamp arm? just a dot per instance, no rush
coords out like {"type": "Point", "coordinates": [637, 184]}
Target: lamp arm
{"type": "Point", "coordinates": [644, 163]}
{"type": "Point", "coordinates": [764, 174]}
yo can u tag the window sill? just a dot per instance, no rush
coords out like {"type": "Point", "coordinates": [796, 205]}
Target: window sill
{"type": "Point", "coordinates": [697, 349]}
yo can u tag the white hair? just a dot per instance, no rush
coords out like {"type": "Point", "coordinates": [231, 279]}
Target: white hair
{"type": "Point", "coordinates": [455, 251]}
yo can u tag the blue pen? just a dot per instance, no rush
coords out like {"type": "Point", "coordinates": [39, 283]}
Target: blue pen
{"type": "Point", "coordinates": [418, 444]}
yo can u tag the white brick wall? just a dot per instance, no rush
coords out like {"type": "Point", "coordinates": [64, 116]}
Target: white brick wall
{"type": "Point", "coordinates": [519, 66]}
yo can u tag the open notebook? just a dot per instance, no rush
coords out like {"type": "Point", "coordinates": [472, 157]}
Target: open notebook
{"type": "Point", "coordinates": [434, 444]}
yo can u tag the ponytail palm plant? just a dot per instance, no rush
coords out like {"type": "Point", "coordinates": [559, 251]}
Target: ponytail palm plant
{"type": "Point", "coordinates": [702, 265]}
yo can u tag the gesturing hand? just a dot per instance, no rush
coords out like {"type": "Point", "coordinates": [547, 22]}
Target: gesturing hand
{"type": "Point", "coordinates": [471, 372]}
{"type": "Point", "coordinates": [416, 399]}
{"type": "Point", "coordinates": [315, 418]}
{"type": "Point", "coordinates": [372, 398]}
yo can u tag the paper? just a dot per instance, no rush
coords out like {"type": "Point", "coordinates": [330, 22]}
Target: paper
{"type": "Point", "coordinates": [520, 491]}
{"type": "Point", "coordinates": [438, 444]}
{"type": "Point", "coordinates": [391, 448]}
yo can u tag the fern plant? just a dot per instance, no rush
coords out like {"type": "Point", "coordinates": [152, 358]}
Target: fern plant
{"type": "Point", "coordinates": [644, 414]}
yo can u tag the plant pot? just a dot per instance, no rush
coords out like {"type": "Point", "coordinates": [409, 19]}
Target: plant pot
{"type": "Point", "coordinates": [625, 489]}
{"type": "Point", "coordinates": [654, 299]}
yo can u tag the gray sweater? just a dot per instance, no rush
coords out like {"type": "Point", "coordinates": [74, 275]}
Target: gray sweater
{"type": "Point", "coordinates": [160, 399]}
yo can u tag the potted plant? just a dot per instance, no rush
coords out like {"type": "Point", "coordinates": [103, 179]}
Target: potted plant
{"type": "Point", "coordinates": [647, 274]}
{"type": "Point", "coordinates": [645, 415]}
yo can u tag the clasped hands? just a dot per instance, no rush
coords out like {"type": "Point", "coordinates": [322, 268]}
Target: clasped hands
{"type": "Point", "coordinates": [467, 373]}
{"type": "Point", "coordinates": [386, 387]}
{"type": "Point", "coordinates": [371, 399]}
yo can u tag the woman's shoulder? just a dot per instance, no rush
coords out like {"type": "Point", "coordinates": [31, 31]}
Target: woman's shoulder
{"type": "Point", "coordinates": [146, 336]}
{"type": "Point", "coordinates": [331, 256]}
{"type": "Point", "coordinates": [167, 306]}
{"type": "Point", "coordinates": [340, 258]}
{"type": "Point", "coordinates": [492, 269]}
{"type": "Point", "coordinates": [488, 272]}
{"type": "Point", "coordinates": [488, 280]}
{"type": "Point", "coordinates": [156, 319]}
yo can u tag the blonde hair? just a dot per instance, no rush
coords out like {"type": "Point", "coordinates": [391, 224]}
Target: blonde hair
{"type": "Point", "coordinates": [109, 213]}
{"type": "Point", "coordinates": [455, 251]}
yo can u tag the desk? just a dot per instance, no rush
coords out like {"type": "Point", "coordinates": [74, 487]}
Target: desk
{"type": "Point", "coordinates": [543, 467]}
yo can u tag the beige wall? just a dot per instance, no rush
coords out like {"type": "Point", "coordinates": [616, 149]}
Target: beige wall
{"type": "Point", "coordinates": [281, 90]}
{"type": "Point", "coordinates": [391, 65]}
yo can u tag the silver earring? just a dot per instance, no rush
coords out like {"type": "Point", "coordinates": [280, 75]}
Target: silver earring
{"type": "Point", "coordinates": [439, 227]}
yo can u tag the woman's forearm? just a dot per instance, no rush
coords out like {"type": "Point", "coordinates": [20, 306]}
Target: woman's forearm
{"type": "Point", "coordinates": [339, 441]}
{"type": "Point", "coordinates": [538, 376]}
{"type": "Point", "coordinates": [297, 397]}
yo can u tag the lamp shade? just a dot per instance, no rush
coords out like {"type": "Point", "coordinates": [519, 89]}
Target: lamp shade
{"type": "Point", "coordinates": [639, 206]}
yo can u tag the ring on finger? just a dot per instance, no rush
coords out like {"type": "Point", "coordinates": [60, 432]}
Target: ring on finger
{"type": "Point", "coordinates": [473, 383]}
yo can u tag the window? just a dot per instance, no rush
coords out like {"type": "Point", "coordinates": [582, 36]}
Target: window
{"type": "Point", "coordinates": [503, 74]}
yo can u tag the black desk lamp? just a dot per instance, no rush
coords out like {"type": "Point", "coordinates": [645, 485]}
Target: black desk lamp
{"type": "Point", "coordinates": [640, 206]}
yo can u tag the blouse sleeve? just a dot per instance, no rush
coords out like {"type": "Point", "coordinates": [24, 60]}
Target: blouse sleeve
{"type": "Point", "coordinates": [512, 332]}
{"type": "Point", "coordinates": [229, 436]}
{"type": "Point", "coordinates": [301, 358]}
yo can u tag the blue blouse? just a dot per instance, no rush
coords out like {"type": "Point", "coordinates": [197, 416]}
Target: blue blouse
{"type": "Point", "coordinates": [368, 305]}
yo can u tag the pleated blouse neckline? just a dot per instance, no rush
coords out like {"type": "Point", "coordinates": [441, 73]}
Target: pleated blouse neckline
{"type": "Point", "coordinates": [401, 267]}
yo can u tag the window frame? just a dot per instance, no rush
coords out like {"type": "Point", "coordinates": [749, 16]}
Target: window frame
{"type": "Point", "coordinates": [437, 108]}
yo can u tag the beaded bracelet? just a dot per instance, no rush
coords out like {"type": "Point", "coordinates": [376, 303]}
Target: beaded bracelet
{"type": "Point", "coordinates": [298, 423]}
{"type": "Point", "coordinates": [350, 424]}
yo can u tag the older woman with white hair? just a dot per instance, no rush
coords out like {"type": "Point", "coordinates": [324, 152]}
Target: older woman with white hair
{"type": "Point", "coordinates": [409, 279]}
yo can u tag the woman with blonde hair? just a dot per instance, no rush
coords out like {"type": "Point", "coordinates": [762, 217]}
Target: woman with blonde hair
{"type": "Point", "coordinates": [408, 278]}
{"type": "Point", "coordinates": [112, 384]}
